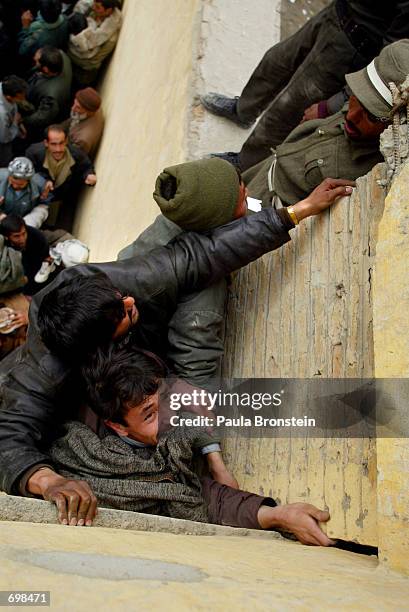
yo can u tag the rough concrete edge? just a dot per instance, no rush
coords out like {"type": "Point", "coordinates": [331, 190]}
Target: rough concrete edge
{"type": "Point", "coordinates": [29, 510]}
{"type": "Point", "coordinates": [196, 79]}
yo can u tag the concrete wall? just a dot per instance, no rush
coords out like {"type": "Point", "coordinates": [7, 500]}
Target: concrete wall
{"type": "Point", "coordinates": [391, 342]}
{"type": "Point", "coordinates": [306, 311]}
{"type": "Point", "coordinates": [146, 97]}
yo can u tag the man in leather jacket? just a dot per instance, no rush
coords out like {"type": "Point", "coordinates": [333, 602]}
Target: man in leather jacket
{"type": "Point", "coordinates": [39, 389]}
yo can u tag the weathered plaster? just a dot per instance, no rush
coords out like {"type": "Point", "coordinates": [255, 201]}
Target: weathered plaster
{"type": "Point", "coordinates": [391, 344]}
{"type": "Point", "coordinates": [108, 569]}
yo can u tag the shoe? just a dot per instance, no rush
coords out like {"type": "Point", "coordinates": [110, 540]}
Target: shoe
{"type": "Point", "coordinates": [224, 107]}
{"type": "Point", "coordinates": [232, 158]}
{"type": "Point", "coordinates": [47, 267]}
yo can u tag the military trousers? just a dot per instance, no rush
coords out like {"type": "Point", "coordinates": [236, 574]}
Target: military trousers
{"type": "Point", "coordinates": [305, 68]}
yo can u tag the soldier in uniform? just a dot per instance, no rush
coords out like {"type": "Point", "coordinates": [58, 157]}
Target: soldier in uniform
{"type": "Point", "coordinates": [344, 145]}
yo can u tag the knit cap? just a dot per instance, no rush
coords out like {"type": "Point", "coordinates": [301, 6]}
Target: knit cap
{"type": "Point", "coordinates": [89, 99]}
{"type": "Point", "coordinates": [207, 192]}
{"type": "Point", "coordinates": [371, 84]}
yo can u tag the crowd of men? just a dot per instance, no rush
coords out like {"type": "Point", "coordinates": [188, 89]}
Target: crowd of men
{"type": "Point", "coordinates": [84, 414]}
{"type": "Point", "coordinates": [51, 124]}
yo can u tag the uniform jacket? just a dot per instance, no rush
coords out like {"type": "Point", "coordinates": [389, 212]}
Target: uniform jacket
{"type": "Point", "coordinates": [38, 390]}
{"type": "Point", "coordinates": [315, 150]}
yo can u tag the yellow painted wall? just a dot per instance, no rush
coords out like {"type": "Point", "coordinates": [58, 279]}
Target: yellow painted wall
{"type": "Point", "coordinates": [305, 311]}
{"type": "Point", "coordinates": [391, 346]}
{"type": "Point", "coordinates": [145, 100]}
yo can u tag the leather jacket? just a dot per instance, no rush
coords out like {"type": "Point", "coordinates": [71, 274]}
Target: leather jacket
{"type": "Point", "coordinates": [38, 390]}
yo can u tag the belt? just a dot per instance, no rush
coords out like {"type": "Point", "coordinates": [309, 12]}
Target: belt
{"type": "Point", "coordinates": [358, 35]}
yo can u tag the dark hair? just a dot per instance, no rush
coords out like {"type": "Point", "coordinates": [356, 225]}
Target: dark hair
{"type": "Point", "coordinates": [13, 85]}
{"type": "Point", "coordinates": [121, 377]}
{"type": "Point", "coordinates": [51, 58]}
{"type": "Point", "coordinates": [77, 22]}
{"type": "Point", "coordinates": [50, 10]}
{"type": "Point", "coordinates": [11, 224]}
{"type": "Point", "coordinates": [109, 4]}
{"type": "Point", "coordinates": [54, 127]}
{"type": "Point", "coordinates": [80, 315]}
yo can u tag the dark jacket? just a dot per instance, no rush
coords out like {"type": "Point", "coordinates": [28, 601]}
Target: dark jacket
{"type": "Point", "coordinates": [50, 98]}
{"type": "Point", "coordinates": [388, 21]}
{"type": "Point", "coordinates": [79, 172]}
{"type": "Point", "coordinates": [37, 388]}
{"type": "Point", "coordinates": [40, 33]}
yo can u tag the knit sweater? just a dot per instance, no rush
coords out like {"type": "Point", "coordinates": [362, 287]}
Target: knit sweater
{"type": "Point", "coordinates": [156, 480]}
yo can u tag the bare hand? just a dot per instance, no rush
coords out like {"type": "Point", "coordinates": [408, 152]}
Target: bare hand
{"type": "Point", "coordinates": [23, 130]}
{"type": "Point", "coordinates": [219, 471]}
{"type": "Point", "coordinates": [310, 113]}
{"type": "Point", "coordinates": [1, 200]}
{"type": "Point", "coordinates": [49, 186]}
{"type": "Point", "coordinates": [20, 318]}
{"type": "Point", "coordinates": [26, 19]}
{"type": "Point", "coordinates": [322, 197]}
{"type": "Point", "coordinates": [91, 180]}
{"type": "Point", "coordinates": [300, 519]}
{"type": "Point", "coordinates": [75, 501]}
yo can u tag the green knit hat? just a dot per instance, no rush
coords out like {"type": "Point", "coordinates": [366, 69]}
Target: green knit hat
{"type": "Point", "coordinates": [207, 192]}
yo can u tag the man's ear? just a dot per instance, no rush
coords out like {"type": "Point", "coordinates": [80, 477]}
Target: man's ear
{"type": "Point", "coordinates": [121, 430]}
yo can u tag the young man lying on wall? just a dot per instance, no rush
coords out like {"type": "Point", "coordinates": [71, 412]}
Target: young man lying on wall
{"type": "Point", "coordinates": [141, 464]}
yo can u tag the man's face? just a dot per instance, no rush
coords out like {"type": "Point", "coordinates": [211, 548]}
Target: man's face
{"type": "Point", "coordinates": [241, 207]}
{"type": "Point", "coordinates": [79, 109]}
{"type": "Point", "coordinates": [130, 318]}
{"type": "Point", "coordinates": [18, 240]}
{"type": "Point", "coordinates": [18, 97]}
{"type": "Point", "coordinates": [56, 143]}
{"type": "Point", "coordinates": [36, 58]}
{"type": "Point", "coordinates": [361, 125]}
{"type": "Point", "coordinates": [18, 184]}
{"type": "Point", "coordinates": [100, 11]}
{"type": "Point", "coordinates": [142, 421]}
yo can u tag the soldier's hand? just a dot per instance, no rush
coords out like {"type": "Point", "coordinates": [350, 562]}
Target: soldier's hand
{"type": "Point", "coordinates": [75, 501]}
{"type": "Point", "coordinates": [322, 197]}
{"type": "Point", "coordinates": [310, 113]}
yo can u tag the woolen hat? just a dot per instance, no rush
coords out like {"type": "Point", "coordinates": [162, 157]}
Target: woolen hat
{"type": "Point", "coordinates": [370, 85]}
{"type": "Point", "coordinates": [89, 99]}
{"type": "Point", "coordinates": [207, 192]}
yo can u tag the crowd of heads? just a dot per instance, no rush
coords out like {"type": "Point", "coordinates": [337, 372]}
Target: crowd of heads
{"type": "Point", "coordinates": [51, 118]}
